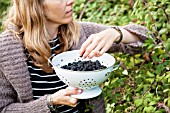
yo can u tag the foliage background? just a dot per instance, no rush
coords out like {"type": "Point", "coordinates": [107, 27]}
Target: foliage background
{"type": "Point", "coordinates": [142, 82]}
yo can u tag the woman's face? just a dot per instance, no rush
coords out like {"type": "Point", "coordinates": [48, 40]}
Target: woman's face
{"type": "Point", "coordinates": [58, 11]}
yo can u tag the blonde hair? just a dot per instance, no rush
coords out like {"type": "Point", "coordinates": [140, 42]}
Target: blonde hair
{"type": "Point", "coordinates": [28, 17]}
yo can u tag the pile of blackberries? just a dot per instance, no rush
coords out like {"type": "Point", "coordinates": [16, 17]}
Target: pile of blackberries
{"type": "Point", "coordinates": [84, 66]}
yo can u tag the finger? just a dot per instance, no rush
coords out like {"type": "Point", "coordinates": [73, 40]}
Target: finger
{"type": "Point", "coordinates": [67, 100]}
{"type": "Point", "coordinates": [88, 50]}
{"type": "Point", "coordinates": [99, 54]}
{"type": "Point", "coordinates": [85, 44]}
{"type": "Point", "coordinates": [96, 51]}
{"type": "Point", "coordinates": [91, 47]}
{"type": "Point", "coordinates": [74, 105]}
{"type": "Point", "coordinates": [104, 49]}
{"type": "Point", "coordinates": [73, 102]}
{"type": "Point", "coordinates": [69, 92]}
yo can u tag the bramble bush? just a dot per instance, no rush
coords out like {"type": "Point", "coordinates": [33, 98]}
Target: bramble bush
{"type": "Point", "coordinates": [142, 82]}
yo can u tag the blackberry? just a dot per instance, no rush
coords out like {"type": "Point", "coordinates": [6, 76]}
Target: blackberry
{"type": "Point", "coordinates": [84, 66]}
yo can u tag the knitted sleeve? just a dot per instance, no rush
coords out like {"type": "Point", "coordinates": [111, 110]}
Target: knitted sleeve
{"type": "Point", "coordinates": [92, 28]}
{"type": "Point", "coordinates": [15, 86]}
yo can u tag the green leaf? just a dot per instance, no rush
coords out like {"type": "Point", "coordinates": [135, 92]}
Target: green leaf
{"type": "Point", "coordinates": [166, 90]}
{"type": "Point", "coordinates": [163, 31]}
{"type": "Point", "coordinates": [150, 74]}
{"type": "Point", "coordinates": [152, 103]}
{"type": "Point", "coordinates": [149, 109]}
{"type": "Point", "coordinates": [125, 72]}
{"type": "Point", "coordinates": [167, 46]}
{"type": "Point", "coordinates": [138, 102]}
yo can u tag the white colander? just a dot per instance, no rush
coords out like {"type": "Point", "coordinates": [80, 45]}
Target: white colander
{"type": "Point", "coordinates": [88, 81]}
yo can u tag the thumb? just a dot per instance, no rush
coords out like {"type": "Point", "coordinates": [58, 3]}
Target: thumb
{"type": "Point", "coordinates": [73, 91]}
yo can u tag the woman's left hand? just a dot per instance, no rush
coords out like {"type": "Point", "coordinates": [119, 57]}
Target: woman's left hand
{"type": "Point", "coordinates": [97, 44]}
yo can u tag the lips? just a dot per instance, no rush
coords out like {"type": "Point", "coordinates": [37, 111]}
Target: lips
{"type": "Point", "coordinates": [70, 11]}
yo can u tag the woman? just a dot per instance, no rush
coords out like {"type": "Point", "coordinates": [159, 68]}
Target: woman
{"type": "Point", "coordinates": [36, 29]}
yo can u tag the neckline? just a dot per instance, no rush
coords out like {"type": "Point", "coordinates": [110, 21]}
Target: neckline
{"type": "Point", "coordinates": [53, 40]}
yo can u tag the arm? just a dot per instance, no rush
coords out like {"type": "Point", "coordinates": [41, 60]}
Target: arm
{"type": "Point", "coordinates": [93, 28]}
{"type": "Point", "coordinates": [15, 85]}
{"type": "Point", "coordinates": [15, 94]}
{"type": "Point", "coordinates": [133, 37]}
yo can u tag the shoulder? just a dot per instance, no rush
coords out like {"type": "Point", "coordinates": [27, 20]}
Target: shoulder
{"type": "Point", "coordinates": [6, 34]}
{"type": "Point", "coordinates": [85, 23]}
{"type": "Point", "coordinates": [89, 24]}
{"type": "Point", "coordinates": [92, 28]}
{"type": "Point", "coordinates": [9, 43]}
{"type": "Point", "coordinates": [7, 37]}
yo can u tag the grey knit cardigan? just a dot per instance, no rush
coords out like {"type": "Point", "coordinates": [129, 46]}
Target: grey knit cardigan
{"type": "Point", "coordinates": [15, 85]}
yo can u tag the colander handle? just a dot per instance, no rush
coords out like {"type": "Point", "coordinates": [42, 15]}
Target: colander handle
{"type": "Point", "coordinates": [115, 67]}
{"type": "Point", "coordinates": [50, 59]}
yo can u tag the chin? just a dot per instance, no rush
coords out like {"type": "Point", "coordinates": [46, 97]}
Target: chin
{"type": "Point", "coordinates": [68, 20]}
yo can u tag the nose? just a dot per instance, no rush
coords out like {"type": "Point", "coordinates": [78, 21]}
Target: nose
{"type": "Point", "coordinates": [70, 2]}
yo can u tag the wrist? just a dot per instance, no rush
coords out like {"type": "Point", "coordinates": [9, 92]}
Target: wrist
{"type": "Point", "coordinates": [50, 103]}
{"type": "Point", "coordinates": [118, 35]}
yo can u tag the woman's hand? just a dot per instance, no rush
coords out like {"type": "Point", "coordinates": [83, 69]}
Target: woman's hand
{"type": "Point", "coordinates": [62, 97]}
{"type": "Point", "coordinates": [97, 44]}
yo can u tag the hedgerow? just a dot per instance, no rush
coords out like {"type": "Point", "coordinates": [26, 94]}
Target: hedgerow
{"type": "Point", "coordinates": [142, 82]}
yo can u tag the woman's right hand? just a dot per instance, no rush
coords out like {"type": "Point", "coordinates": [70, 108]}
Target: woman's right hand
{"type": "Point", "coordinates": [63, 97]}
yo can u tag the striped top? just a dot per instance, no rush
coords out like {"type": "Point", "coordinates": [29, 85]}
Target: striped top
{"type": "Point", "coordinates": [48, 83]}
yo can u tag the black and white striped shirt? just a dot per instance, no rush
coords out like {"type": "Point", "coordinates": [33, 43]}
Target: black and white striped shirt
{"type": "Point", "coordinates": [48, 83]}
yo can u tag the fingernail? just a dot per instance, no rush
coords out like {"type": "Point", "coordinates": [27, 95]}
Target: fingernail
{"type": "Point", "coordinates": [80, 91]}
